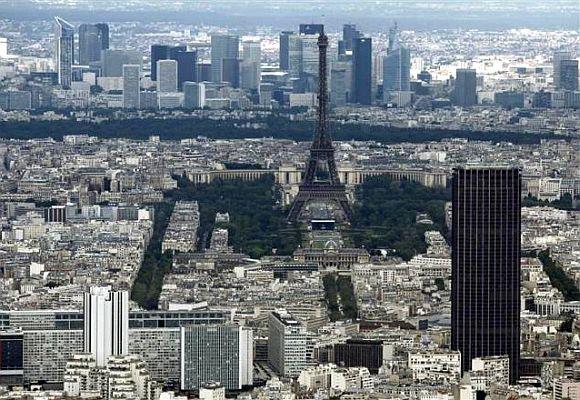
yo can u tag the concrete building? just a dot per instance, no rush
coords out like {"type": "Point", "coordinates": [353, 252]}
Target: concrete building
{"type": "Point", "coordinates": [166, 76]}
{"type": "Point", "coordinates": [216, 353]}
{"type": "Point", "coordinates": [106, 323]}
{"type": "Point", "coordinates": [441, 367]}
{"type": "Point", "coordinates": [287, 343]}
{"type": "Point", "coordinates": [131, 86]}
{"type": "Point", "coordinates": [193, 95]}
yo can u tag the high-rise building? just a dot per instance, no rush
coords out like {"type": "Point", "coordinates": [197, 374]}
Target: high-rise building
{"type": "Point", "coordinates": [396, 67]}
{"type": "Point", "coordinates": [113, 61]}
{"type": "Point", "coordinates": [393, 38]}
{"type": "Point", "coordinates": [249, 75]}
{"type": "Point", "coordinates": [397, 70]}
{"type": "Point", "coordinates": [158, 52]}
{"type": "Point", "coordinates": [218, 353]}
{"type": "Point", "coordinates": [349, 35]}
{"type": "Point", "coordinates": [193, 95]}
{"type": "Point", "coordinates": [222, 46]}
{"type": "Point", "coordinates": [340, 83]}
{"type": "Point", "coordinates": [131, 86]}
{"type": "Point", "coordinates": [556, 60]}
{"type": "Point", "coordinates": [231, 71]}
{"type": "Point", "coordinates": [465, 94]}
{"type": "Point", "coordinates": [287, 343]}
{"type": "Point", "coordinates": [64, 34]}
{"type": "Point", "coordinates": [106, 323]}
{"type": "Point", "coordinates": [569, 75]}
{"type": "Point", "coordinates": [485, 289]}
{"type": "Point", "coordinates": [285, 50]}
{"type": "Point", "coordinates": [93, 39]}
{"type": "Point", "coordinates": [362, 71]}
{"type": "Point", "coordinates": [186, 66]}
{"type": "Point", "coordinates": [167, 76]}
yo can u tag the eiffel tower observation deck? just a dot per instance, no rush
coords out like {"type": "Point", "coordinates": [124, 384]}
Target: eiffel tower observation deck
{"type": "Point", "coordinates": [321, 185]}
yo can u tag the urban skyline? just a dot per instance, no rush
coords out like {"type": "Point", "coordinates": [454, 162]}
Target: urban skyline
{"type": "Point", "coordinates": [289, 200]}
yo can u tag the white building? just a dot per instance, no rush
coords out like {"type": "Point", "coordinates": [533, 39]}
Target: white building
{"type": "Point", "coordinates": [167, 76]}
{"type": "Point", "coordinates": [212, 391]}
{"type": "Point", "coordinates": [349, 379]}
{"type": "Point", "coordinates": [170, 100]}
{"type": "Point", "coordinates": [303, 100]}
{"type": "Point", "coordinates": [106, 323]}
{"type": "Point", "coordinates": [490, 370]}
{"type": "Point", "coordinates": [287, 343]}
{"type": "Point", "coordinates": [317, 377]}
{"type": "Point", "coordinates": [435, 366]}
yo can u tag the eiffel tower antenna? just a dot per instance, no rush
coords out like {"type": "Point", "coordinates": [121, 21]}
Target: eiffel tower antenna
{"type": "Point", "coordinates": [321, 151]}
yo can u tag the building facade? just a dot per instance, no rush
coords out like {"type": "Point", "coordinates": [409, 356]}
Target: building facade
{"type": "Point", "coordinates": [485, 290]}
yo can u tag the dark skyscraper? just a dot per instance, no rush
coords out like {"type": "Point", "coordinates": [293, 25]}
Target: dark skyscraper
{"type": "Point", "coordinates": [222, 46]}
{"type": "Point", "coordinates": [186, 66]}
{"type": "Point", "coordinates": [285, 50]}
{"type": "Point", "coordinates": [92, 40]}
{"type": "Point", "coordinates": [362, 71]}
{"type": "Point", "coordinates": [158, 52]}
{"type": "Point", "coordinates": [485, 289]}
{"type": "Point", "coordinates": [465, 88]}
{"type": "Point", "coordinates": [186, 62]}
{"type": "Point", "coordinates": [569, 75]}
{"type": "Point", "coordinates": [349, 35]}
{"type": "Point", "coordinates": [231, 71]}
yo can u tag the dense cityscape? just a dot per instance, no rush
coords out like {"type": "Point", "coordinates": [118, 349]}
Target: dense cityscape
{"type": "Point", "coordinates": [198, 201]}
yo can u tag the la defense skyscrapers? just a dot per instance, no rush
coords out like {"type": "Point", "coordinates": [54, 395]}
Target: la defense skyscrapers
{"type": "Point", "coordinates": [485, 285]}
{"type": "Point", "coordinates": [64, 43]}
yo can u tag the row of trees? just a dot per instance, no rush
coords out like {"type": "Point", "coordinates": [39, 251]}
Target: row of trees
{"type": "Point", "coordinates": [558, 277]}
{"type": "Point", "coordinates": [147, 286]}
{"type": "Point", "coordinates": [339, 286]}
{"type": "Point", "coordinates": [257, 225]}
{"type": "Point", "coordinates": [276, 126]}
{"type": "Point", "coordinates": [566, 202]}
{"type": "Point", "coordinates": [385, 215]}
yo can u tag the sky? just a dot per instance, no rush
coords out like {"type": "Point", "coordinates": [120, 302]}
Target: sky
{"type": "Point", "coordinates": [415, 14]}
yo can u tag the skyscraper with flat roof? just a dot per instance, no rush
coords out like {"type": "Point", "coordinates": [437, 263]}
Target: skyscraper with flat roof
{"type": "Point", "coordinates": [131, 86]}
{"type": "Point", "coordinates": [465, 94]}
{"type": "Point", "coordinates": [167, 76]}
{"type": "Point", "coordinates": [557, 58]}
{"type": "Point", "coordinates": [93, 39]}
{"type": "Point", "coordinates": [64, 37]}
{"type": "Point", "coordinates": [287, 341]}
{"type": "Point", "coordinates": [106, 323]}
{"type": "Point", "coordinates": [222, 46]}
{"type": "Point", "coordinates": [362, 71]}
{"type": "Point", "coordinates": [285, 50]}
{"type": "Point", "coordinates": [569, 75]}
{"type": "Point", "coordinates": [485, 288]}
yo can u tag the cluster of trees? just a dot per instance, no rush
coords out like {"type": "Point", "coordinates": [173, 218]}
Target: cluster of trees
{"type": "Point", "coordinates": [385, 215]}
{"type": "Point", "coordinates": [276, 126]}
{"type": "Point", "coordinates": [566, 202]}
{"type": "Point", "coordinates": [558, 277]}
{"type": "Point", "coordinates": [339, 286]}
{"type": "Point", "coordinates": [147, 286]}
{"type": "Point", "coordinates": [257, 225]}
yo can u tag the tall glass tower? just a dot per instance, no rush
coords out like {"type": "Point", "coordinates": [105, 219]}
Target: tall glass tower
{"type": "Point", "coordinates": [485, 288]}
{"type": "Point", "coordinates": [64, 37]}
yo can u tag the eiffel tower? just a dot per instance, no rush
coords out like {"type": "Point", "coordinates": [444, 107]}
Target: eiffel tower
{"type": "Point", "coordinates": [312, 189]}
